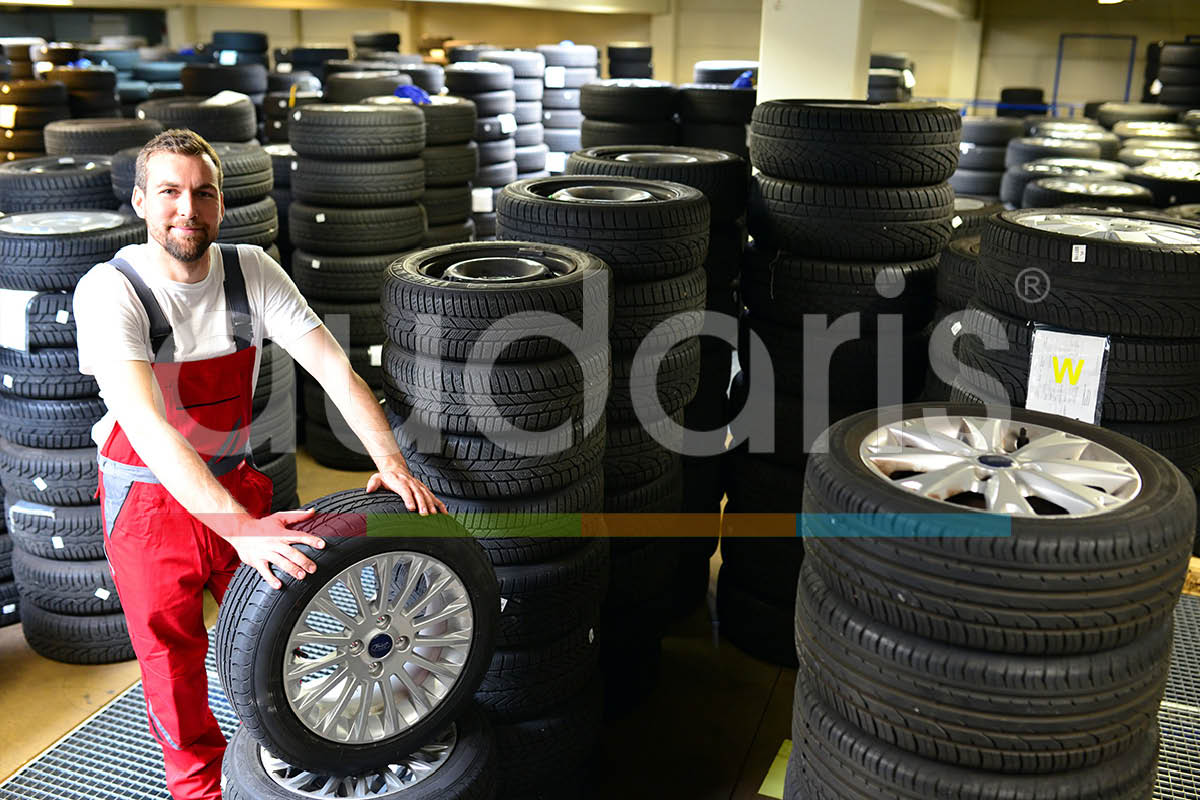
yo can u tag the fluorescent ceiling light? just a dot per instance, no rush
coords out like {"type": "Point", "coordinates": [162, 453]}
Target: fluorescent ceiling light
{"type": "Point", "coordinates": [1109, 2]}
{"type": "Point", "coordinates": [37, 2]}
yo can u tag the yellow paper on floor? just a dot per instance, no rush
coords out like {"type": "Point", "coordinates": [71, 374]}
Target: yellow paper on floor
{"type": "Point", "coordinates": [772, 785]}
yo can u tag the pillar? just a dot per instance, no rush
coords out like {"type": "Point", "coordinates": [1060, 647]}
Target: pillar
{"type": "Point", "coordinates": [815, 48]}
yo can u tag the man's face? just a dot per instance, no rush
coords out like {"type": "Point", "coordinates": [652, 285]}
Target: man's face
{"type": "Point", "coordinates": [181, 204]}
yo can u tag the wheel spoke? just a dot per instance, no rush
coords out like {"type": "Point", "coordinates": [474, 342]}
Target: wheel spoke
{"type": "Point", "coordinates": [308, 666]}
{"type": "Point", "coordinates": [942, 483]}
{"type": "Point", "coordinates": [1004, 496]}
{"type": "Point", "coordinates": [383, 582]}
{"type": "Point", "coordinates": [1076, 498]}
{"type": "Point", "coordinates": [449, 612]}
{"type": "Point", "coordinates": [418, 695]}
{"type": "Point", "coordinates": [317, 637]}
{"type": "Point", "coordinates": [927, 439]}
{"type": "Point", "coordinates": [912, 459]}
{"type": "Point", "coordinates": [353, 583]}
{"type": "Point", "coordinates": [456, 639]}
{"type": "Point", "coordinates": [416, 568]}
{"type": "Point", "coordinates": [316, 694]}
{"type": "Point", "coordinates": [986, 434]}
{"type": "Point", "coordinates": [430, 595]}
{"type": "Point", "coordinates": [443, 670]}
{"type": "Point", "coordinates": [350, 685]}
{"type": "Point", "coordinates": [362, 719]}
{"type": "Point", "coordinates": [325, 605]}
{"type": "Point", "coordinates": [1056, 445]}
{"type": "Point", "coordinates": [1108, 476]}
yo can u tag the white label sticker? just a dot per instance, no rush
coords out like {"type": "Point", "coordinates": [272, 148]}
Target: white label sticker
{"type": "Point", "coordinates": [481, 200]}
{"type": "Point", "coordinates": [296, 115]}
{"type": "Point", "coordinates": [103, 593]}
{"type": "Point", "coordinates": [910, 80]}
{"type": "Point", "coordinates": [375, 353]}
{"type": "Point", "coordinates": [282, 103]}
{"type": "Point", "coordinates": [62, 317]}
{"type": "Point", "coordinates": [1156, 87]}
{"type": "Point", "coordinates": [591, 635]}
{"type": "Point", "coordinates": [295, 166]}
{"type": "Point", "coordinates": [8, 381]}
{"type": "Point", "coordinates": [57, 542]}
{"type": "Point", "coordinates": [277, 124]}
{"type": "Point", "coordinates": [225, 98]}
{"type": "Point", "coordinates": [1078, 253]}
{"type": "Point", "coordinates": [956, 222]}
{"type": "Point", "coordinates": [556, 162]}
{"type": "Point", "coordinates": [320, 218]}
{"type": "Point", "coordinates": [503, 604]}
{"type": "Point", "coordinates": [8, 116]}
{"type": "Point", "coordinates": [29, 509]}
{"type": "Point", "coordinates": [1066, 372]}
{"type": "Point", "coordinates": [66, 160]}
{"type": "Point", "coordinates": [283, 66]}
{"type": "Point", "coordinates": [955, 327]}
{"type": "Point", "coordinates": [8, 609]}
{"type": "Point", "coordinates": [43, 66]}
{"type": "Point", "coordinates": [965, 147]}
{"type": "Point", "coordinates": [316, 263]}
{"type": "Point", "coordinates": [227, 57]}
{"type": "Point", "coordinates": [508, 123]}
{"type": "Point", "coordinates": [40, 484]}
{"type": "Point", "coordinates": [14, 322]}
{"type": "Point", "coordinates": [556, 77]}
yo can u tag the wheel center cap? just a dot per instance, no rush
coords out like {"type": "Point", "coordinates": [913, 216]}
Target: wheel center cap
{"type": "Point", "coordinates": [996, 461]}
{"type": "Point", "coordinates": [380, 646]}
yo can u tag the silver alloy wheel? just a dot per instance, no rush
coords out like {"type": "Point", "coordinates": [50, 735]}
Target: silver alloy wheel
{"type": "Point", "coordinates": [1001, 466]}
{"type": "Point", "coordinates": [1098, 188]}
{"type": "Point", "coordinates": [1171, 170]}
{"type": "Point", "coordinates": [601, 194]}
{"type": "Point", "coordinates": [497, 269]}
{"type": "Point", "coordinates": [378, 647]}
{"type": "Point", "coordinates": [657, 158]}
{"type": "Point", "coordinates": [1130, 230]}
{"type": "Point", "coordinates": [55, 223]}
{"type": "Point", "coordinates": [384, 782]}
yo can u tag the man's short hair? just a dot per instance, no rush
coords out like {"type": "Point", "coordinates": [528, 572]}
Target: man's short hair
{"type": "Point", "coordinates": [181, 142]}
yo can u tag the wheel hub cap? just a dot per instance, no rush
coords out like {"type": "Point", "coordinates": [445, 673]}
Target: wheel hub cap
{"type": "Point", "coordinates": [54, 223]}
{"type": "Point", "coordinates": [601, 194]}
{"type": "Point", "coordinates": [657, 158]}
{"type": "Point", "coordinates": [498, 269]}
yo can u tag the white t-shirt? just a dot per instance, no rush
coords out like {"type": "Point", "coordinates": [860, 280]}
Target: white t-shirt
{"type": "Point", "coordinates": [112, 324]}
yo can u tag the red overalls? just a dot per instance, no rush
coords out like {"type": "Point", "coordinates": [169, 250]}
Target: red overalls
{"type": "Point", "coordinates": [161, 557]}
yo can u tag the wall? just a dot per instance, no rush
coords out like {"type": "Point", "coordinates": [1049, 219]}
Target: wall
{"type": "Point", "coordinates": [1020, 44]}
{"type": "Point", "coordinates": [699, 30]}
{"type": "Point", "coordinates": [927, 38]}
{"type": "Point", "coordinates": [522, 27]}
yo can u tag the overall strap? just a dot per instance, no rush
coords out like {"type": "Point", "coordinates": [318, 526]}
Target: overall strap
{"type": "Point", "coordinates": [235, 297]}
{"type": "Point", "coordinates": [162, 344]}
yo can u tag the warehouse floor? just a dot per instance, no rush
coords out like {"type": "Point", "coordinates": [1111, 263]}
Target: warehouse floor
{"type": "Point", "coordinates": [712, 729]}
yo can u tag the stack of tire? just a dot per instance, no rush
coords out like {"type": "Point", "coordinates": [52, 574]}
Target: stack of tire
{"type": "Point", "coordinates": [1151, 386]}
{"type": "Point", "coordinates": [520, 494]}
{"type": "Point", "coordinates": [1172, 183]}
{"type": "Point", "coordinates": [354, 183]}
{"type": "Point", "coordinates": [529, 69]}
{"type": "Point", "coordinates": [273, 425]}
{"type": "Point", "coordinates": [1021, 102]}
{"type": "Point", "coordinates": [248, 177]}
{"type": "Point", "coordinates": [489, 85]}
{"type": "Point", "coordinates": [412, 663]}
{"type": "Point", "coordinates": [430, 77]}
{"type": "Point", "coordinates": [54, 54]}
{"type": "Point", "coordinates": [716, 116]}
{"type": "Point", "coordinates": [162, 79]}
{"type": "Point", "coordinates": [654, 237]}
{"type": "Point", "coordinates": [1024, 149]}
{"type": "Point", "coordinates": [1146, 140]}
{"type": "Point", "coordinates": [628, 111]}
{"type": "Point", "coordinates": [356, 86]}
{"type": "Point", "coordinates": [849, 211]}
{"type": "Point", "coordinates": [19, 52]}
{"type": "Point", "coordinates": [1017, 179]}
{"type": "Point", "coordinates": [240, 47]}
{"type": "Point", "coordinates": [723, 179]}
{"type": "Point", "coordinates": [91, 91]}
{"type": "Point", "coordinates": [890, 78]}
{"type": "Point", "coordinates": [1055, 191]}
{"type": "Point", "coordinates": [220, 118]}
{"type": "Point", "coordinates": [208, 80]}
{"type": "Point", "coordinates": [69, 606]}
{"type": "Point", "coordinates": [568, 68]}
{"type": "Point", "coordinates": [282, 156]}
{"type": "Point", "coordinates": [308, 59]}
{"type": "Point", "coordinates": [981, 154]}
{"type": "Point", "coordinates": [10, 599]}
{"type": "Point", "coordinates": [940, 645]}
{"type": "Point", "coordinates": [286, 90]}
{"type": "Point", "coordinates": [33, 104]}
{"type": "Point", "coordinates": [723, 71]}
{"type": "Point", "coordinates": [1176, 81]}
{"type": "Point", "coordinates": [56, 183]}
{"type": "Point", "coordinates": [630, 60]}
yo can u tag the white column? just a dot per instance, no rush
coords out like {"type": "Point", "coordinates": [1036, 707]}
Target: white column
{"type": "Point", "coordinates": [664, 30]}
{"type": "Point", "coordinates": [181, 26]}
{"type": "Point", "coordinates": [815, 48]}
{"type": "Point", "coordinates": [964, 61]}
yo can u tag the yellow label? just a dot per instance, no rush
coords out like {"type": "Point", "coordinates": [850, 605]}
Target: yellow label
{"type": "Point", "coordinates": [772, 785]}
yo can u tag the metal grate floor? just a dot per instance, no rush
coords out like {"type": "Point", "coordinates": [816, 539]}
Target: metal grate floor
{"type": "Point", "coordinates": [111, 755]}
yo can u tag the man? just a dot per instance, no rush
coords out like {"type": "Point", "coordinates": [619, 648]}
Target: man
{"type": "Point", "coordinates": [172, 330]}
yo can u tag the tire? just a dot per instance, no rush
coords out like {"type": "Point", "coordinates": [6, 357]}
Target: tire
{"type": "Point", "coordinates": [34, 92]}
{"type": "Point", "coordinates": [493, 104]}
{"type": "Point", "coordinates": [640, 241]}
{"type": "Point", "coordinates": [56, 183]}
{"type": "Point", "coordinates": [46, 373]}
{"type": "Point", "coordinates": [469, 78]}
{"type": "Point", "coordinates": [532, 158]}
{"type": "Point", "coordinates": [560, 99]}
{"type": "Point", "coordinates": [52, 424]}
{"type": "Point", "coordinates": [1149, 297]}
{"type": "Point", "coordinates": [1110, 582]}
{"type": "Point", "coordinates": [1012, 185]}
{"type": "Point", "coordinates": [1031, 148]}
{"type": "Point", "coordinates": [1186, 96]}
{"type": "Point", "coordinates": [559, 118]}
{"type": "Point", "coordinates": [644, 306]}
{"type": "Point", "coordinates": [623, 100]}
{"type": "Point", "coordinates": [357, 132]}
{"type": "Point", "coordinates": [450, 165]}
{"type": "Point", "coordinates": [255, 621]}
{"type": "Point", "coordinates": [546, 757]}
{"type": "Point", "coordinates": [754, 626]}
{"type": "Point", "coordinates": [630, 69]}
{"type": "Point", "coordinates": [663, 496]}
{"type": "Point", "coordinates": [255, 223]}
{"type": "Point", "coordinates": [1172, 184]}
{"type": "Point", "coordinates": [69, 476]}
{"type": "Point", "coordinates": [368, 231]}
{"type": "Point", "coordinates": [102, 639]}
{"type": "Point", "coordinates": [526, 683]}
{"type": "Point", "coordinates": [529, 90]}
{"type": "Point", "coordinates": [365, 328]}
{"type": "Point", "coordinates": [1007, 720]}
{"type": "Point", "coordinates": [327, 450]}
{"type": "Point", "coordinates": [10, 604]}
{"type": "Point", "coordinates": [462, 309]}
{"type": "Point", "coordinates": [524, 64]}
{"type": "Point", "coordinates": [33, 117]}
{"type": "Point", "coordinates": [852, 223]}
{"type": "Point", "coordinates": [495, 176]}
{"type": "Point", "coordinates": [854, 143]}
{"type": "Point", "coordinates": [569, 55]}
{"type": "Point", "coordinates": [633, 458]}
{"type": "Point", "coordinates": [715, 103]}
{"type": "Point", "coordinates": [971, 214]}
{"type": "Point", "coordinates": [991, 130]}
{"type": "Point", "coordinates": [497, 151]}
{"type": "Point", "coordinates": [33, 257]}
{"type": "Point", "coordinates": [208, 79]}
{"type": "Point", "coordinates": [530, 135]}
{"type": "Point", "coordinates": [80, 588]}
{"type": "Point", "coordinates": [1058, 192]}
{"type": "Point", "coordinates": [546, 601]}
{"type": "Point", "coordinates": [357, 184]}
{"type": "Point", "coordinates": [354, 87]}
{"type": "Point", "coordinates": [49, 320]}
{"type": "Point", "coordinates": [1109, 114]}
{"type": "Point", "coordinates": [341, 279]}
{"type": "Point", "coordinates": [248, 172]}
{"type": "Point", "coordinates": [956, 272]}
{"type": "Point", "coordinates": [981, 157]}
{"type": "Point", "coordinates": [450, 233]}
{"type": "Point", "coordinates": [987, 184]}
{"type": "Point", "coordinates": [273, 431]}
{"type": "Point", "coordinates": [563, 140]}
{"type": "Point", "coordinates": [98, 136]}
{"type": "Point", "coordinates": [597, 133]}
{"type": "Point", "coordinates": [226, 121]}
{"type": "Point", "coordinates": [469, 772]}
{"type": "Point", "coordinates": [675, 383]}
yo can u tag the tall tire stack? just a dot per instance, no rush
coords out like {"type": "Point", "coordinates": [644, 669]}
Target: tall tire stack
{"type": "Point", "coordinates": [1172, 183]}
{"type": "Point", "coordinates": [1177, 79]}
{"type": "Point", "coordinates": [308, 59]}
{"type": "Point", "coordinates": [282, 156]}
{"type": "Point", "coordinates": [251, 216]}
{"type": "Point", "coordinates": [1151, 389]}
{"type": "Point", "coordinates": [628, 111]}
{"type": "Point", "coordinates": [1012, 186]}
{"type": "Point", "coordinates": [91, 91]}
{"type": "Point", "coordinates": [529, 71]}
{"type": "Point", "coordinates": [890, 79]}
{"type": "Point", "coordinates": [1077, 130]}
{"type": "Point", "coordinates": [630, 60]}
{"type": "Point", "coordinates": [654, 237]}
{"type": "Point", "coordinates": [409, 607]}
{"type": "Point", "coordinates": [277, 110]}
{"type": "Point", "coordinates": [1146, 140]}
{"type": "Point", "coordinates": [249, 78]}
{"type": "Point", "coordinates": [56, 183]}
{"type": "Point", "coordinates": [716, 116]}
{"type": "Point", "coordinates": [568, 68]}
{"type": "Point", "coordinates": [161, 79]}
{"type": "Point", "coordinates": [220, 118]}
{"type": "Point", "coordinates": [230, 48]}
{"type": "Point", "coordinates": [849, 212]}
{"type": "Point", "coordinates": [1109, 114]}
{"type": "Point", "coordinates": [520, 494]}
{"type": "Point", "coordinates": [940, 646]}
{"type": "Point", "coordinates": [723, 179]}
{"type": "Point", "coordinates": [69, 606]}
{"type": "Point", "coordinates": [1025, 149]}
{"type": "Point", "coordinates": [354, 186]}
{"type": "Point", "coordinates": [34, 104]}
{"type": "Point", "coordinates": [489, 86]}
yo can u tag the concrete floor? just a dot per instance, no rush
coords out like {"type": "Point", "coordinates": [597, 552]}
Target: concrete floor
{"type": "Point", "coordinates": [711, 730]}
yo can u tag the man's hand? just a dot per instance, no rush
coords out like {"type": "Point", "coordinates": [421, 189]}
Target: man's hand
{"type": "Point", "coordinates": [266, 541]}
{"type": "Point", "coordinates": [416, 495]}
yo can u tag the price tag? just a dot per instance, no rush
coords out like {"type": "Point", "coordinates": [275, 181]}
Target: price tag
{"type": "Point", "coordinates": [1078, 253]}
{"type": "Point", "coordinates": [1156, 87]}
{"type": "Point", "coordinates": [508, 123]}
{"type": "Point", "coordinates": [965, 147]}
{"type": "Point", "coordinates": [503, 604]}
{"type": "Point", "coordinates": [8, 609]}
{"type": "Point", "coordinates": [40, 484]}
{"type": "Point", "coordinates": [955, 327]}
{"type": "Point", "coordinates": [295, 166]}
{"type": "Point", "coordinates": [910, 80]}
{"type": "Point", "coordinates": [8, 116]}
{"type": "Point", "coordinates": [57, 542]}
{"type": "Point", "coordinates": [375, 353]}
{"type": "Point", "coordinates": [956, 222]}
{"type": "Point", "coordinates": [66, 160]}
{"type": "Point", "coordinates": [8, 381]}
{"type": "Point", "coordinates": [320, 217]}
{"type": "Point", "coordinates": [103, 593]}
{"type": "Point", "coordinates": [556, 162]}
{"type": "Point", "coordinates": [227, 57]}
{"type": "Point", "coordinates": [284, 67]}
{"type": "Point", "coordinates": [63, 316]}
{"type": "Point", "coordinates": [14, 319]}
{"type": "Point", "coordinates": [1066, 374]}
{"type": "Point", "coordinates": [316, 263]}
{"type": "Point", "coordinates": [556, 77]}
{"type": "Point", "coordinates": [481, 200]}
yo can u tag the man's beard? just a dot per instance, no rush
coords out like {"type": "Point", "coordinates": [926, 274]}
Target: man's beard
{"type": "Point", "coordinates": [186, 251]}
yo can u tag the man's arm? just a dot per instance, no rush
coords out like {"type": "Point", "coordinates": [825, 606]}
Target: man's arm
{"type": "Point", "coordinates": [132, 394]}
{"type": "Point", "coordinates": [320, 354]}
